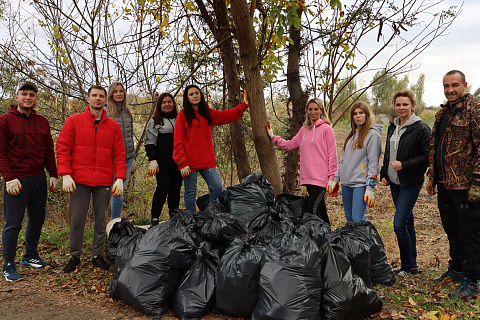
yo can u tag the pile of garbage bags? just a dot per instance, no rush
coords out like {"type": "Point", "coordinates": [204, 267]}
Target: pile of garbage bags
{"type": "Point", "coordinates": [248, 254]}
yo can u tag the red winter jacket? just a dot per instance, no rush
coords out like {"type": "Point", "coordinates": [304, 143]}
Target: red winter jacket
{"type": "Point", "coordinates": [90, 152]}
{"type": "Point", "coordinates": [192, 145]}
{"type": "Point", "coordinates": [26, 145]}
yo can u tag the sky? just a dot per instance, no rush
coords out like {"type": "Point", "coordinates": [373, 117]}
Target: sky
{"type": "Point", "coordinates": [458, 48]}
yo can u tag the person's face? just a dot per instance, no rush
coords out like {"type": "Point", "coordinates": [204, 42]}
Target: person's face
{"type": "Point", "coordinates": [26, 99]}
{"type": "Point", "coordinates": [96, 99]}
{"type": "Point", "coordinates": [403, 108]}
{"type": "Point", "coordinates": [314, 112]}
{"type": "Point", "coordinates": [453, 87]}
{"type": "Point", "coordinates": [194, 96]}
{"type": "Point", "coordinates": [118, 94]}
{"type": "Point", "coordinates": [167, 105]}
{"type": "Point", "coordinates": [359, 117]}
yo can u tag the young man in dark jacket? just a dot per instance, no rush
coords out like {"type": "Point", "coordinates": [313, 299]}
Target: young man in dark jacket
{"type": "Point", "coordinates": [26, 148]}
{"type": "Point", "coordinates": [454, 168]}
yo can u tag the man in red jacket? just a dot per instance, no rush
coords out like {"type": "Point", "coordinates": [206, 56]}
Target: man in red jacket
{"type": "Point", "coordinates": [89, 147]}
{"type": "Point", "coordinates": [26, 148]}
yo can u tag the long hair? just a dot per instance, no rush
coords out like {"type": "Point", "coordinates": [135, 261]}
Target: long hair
{"type": "Point", "coordinates": [323, 115]}
{"type": "Point", "coordinates": [112, 108]}
{"type": "Point", "coordinates": [407, 93]}
{"type": "Point", "coordinates": [202, 107]}
{"type": "Point", "coordinates": [363, 130]}
{"type": "Point", "coordinates": [158, 115]}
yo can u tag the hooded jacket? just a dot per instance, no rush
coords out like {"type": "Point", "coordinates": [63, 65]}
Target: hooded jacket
{"type": "Point", "coordinates": [358, 166]}
{"type": "Point", "coordinates": [89, 152]}
{"type": "Point", "coordinates": [408, 144]}
{"type": "Point", "coordinates": [159, 143]}
{"type": "Point", "coordinates": [193, 145]}
{"type": "Point", "coordinates": [26, 145]}
{"type": "Point", "coordinates": [318, 153]}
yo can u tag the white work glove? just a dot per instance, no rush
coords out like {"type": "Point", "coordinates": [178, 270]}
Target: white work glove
{"type": "Point", "coordinates": [152, 168]}
{"type": "Point", "coordinates": [117, 189]}
{"type": "Point", "coordinates": [68, 184]}
{"type": "Point", "coordinates": [269, 129]}
{"type": "Point", "coordinates": [245, 97]}
{"type": "Point", "coordinates": [332, 188]}
{"type": "Point", "coordinates": [53, 183]}
{"type": "Point", "coordinates": [185, 171]}
{"type": "Point", "coordinates": [13, 187]}
{"type": "Point", "coordinates": [369, 198]}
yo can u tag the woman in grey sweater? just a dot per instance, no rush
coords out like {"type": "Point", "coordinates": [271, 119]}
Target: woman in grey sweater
{"type": "Point", "coordinates": [118, 109]}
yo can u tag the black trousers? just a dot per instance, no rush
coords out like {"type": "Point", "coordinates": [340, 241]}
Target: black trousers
{"type": "Point", "coordinates": [461, 222]}
{"type": "Point", "coordinates": [316, 202]}
{"type": "Point", "coordinates": [169, 183]}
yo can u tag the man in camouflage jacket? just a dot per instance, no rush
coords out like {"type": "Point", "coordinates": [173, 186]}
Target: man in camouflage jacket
{"type": "Point", "coordinates": [454, 168]}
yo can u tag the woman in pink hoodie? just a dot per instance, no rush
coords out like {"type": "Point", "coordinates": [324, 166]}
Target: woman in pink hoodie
{"type": "Point", "coordinates": [318, 155]}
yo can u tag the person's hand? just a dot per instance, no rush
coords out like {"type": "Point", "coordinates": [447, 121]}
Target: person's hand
{"type": "Point", "coordinates": [332, 188]}
{"type": "Point", "coordinates": [185, 171]}
{"type": "Point", "coordinates": [396, 165]}
{"type": "Point", "coordinates": [269, 129]}
{"type": "Point", "coordinates": [53, 183]}
{"type": "Point", "coordinates": [68, 184]}
{"type": "Point", "coordinates": [369, 198]}
{"type": "Point", "coordinates": [245, 97]}
{"type": "Point", "coordinates": [117, 189]}
{"type": "Point", "coordinates": [152, 168]}
{"type": "Point", "coordinates": [431, 188]}
{"type": "Point", "coordinates": [13, 187]}
{"type": "Point", "coordinates": [384, 182]}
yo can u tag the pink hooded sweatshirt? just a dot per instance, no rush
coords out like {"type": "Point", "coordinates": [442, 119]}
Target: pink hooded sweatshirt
{"type": "Point", "coordinates": [318, 153]}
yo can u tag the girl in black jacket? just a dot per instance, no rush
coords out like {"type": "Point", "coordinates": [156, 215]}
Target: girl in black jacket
{"type": "Point", "coordinates": [404, 164]}
{"type": "Point", "coordinates": [159, 148]}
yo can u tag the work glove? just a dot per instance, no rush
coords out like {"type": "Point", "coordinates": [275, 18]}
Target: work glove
{"type": "Point", "coordinates": [245, 97]}
{"type": "Point", "coordinates": [269, 129]}
{"type": "Point", "coordinates": [117, 189]}
{"type": "Point", "coordinates": [369, 198]}
{"type": "Point", "coordinates": [53, 183]}
{"type": "Point", "coordinates": [13, 187]}
{"type": "Point", "coordinates": [185, 171]}
{"type": "Point", "coordinates": [68, 184]}
{"type": "Point", "coordinates": [474, 193]}
{"type": "Point", "coordinates": [152, 168]}
{"type": "Point", "coordinates": [332, 188]}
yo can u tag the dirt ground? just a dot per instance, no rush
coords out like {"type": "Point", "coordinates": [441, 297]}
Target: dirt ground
{"type": "Point", "coordinates": [35, 298]}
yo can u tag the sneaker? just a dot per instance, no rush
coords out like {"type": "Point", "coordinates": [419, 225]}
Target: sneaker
{"type": "Point", "coordinates": [10, 273]}
{"type": "Point", "coordinates": [397, 269]}
{"type": "Point", "coordinates": [35, 262]}
{"type": "Point", "coordinates": [100, 263]}
{"type": "Point", "coordinates": [155, 221]}
{"type": "Point", "coordinates": [404, 274]}
{"type": "Point", "coordinates": [414, 270]}
{"type": "Point", "coordinates": [71, 265]}
{"type": "Point", "coordinates": [467, 289]}
{"type": "Point", "coordinates": [450, 275]}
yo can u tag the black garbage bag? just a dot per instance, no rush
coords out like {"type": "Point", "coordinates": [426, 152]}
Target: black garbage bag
{"type": "Point", "coordinates": [195, 296]}
{"type": "Point", "coordinates": [218, 205]}
{"type": "Point", "coordinates": [119, 230]}
{"type": "Point", "coordinates": [272, 229]}
{"type": "Point", "coordinates": [314, 226]}
{"type": "Point", "coordinates": [254, 191]}
{"type": "Point", "coordinates": [290, 207]}
{"type": "Point", "coordinates": [358, 253]}
{"type": "Point", "coordinates": [345, 295]}
{"type": "Point", "coordinates": [161, 257]}
{"type": "Point", "coordinates": [238, 276]}
{"type": "Point", "coordinates": [219, 228]}
{"type": "Point", "coordinates": [290, 282]}
{"type": "Point", "coordinates": [381, 271]}
{"type": "Point", "coordinates": [202, 201]}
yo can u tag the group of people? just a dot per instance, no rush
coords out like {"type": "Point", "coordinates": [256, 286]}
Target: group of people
{"type": "Point", "coordinates": [450, 151]}
{"type": "Point", "coordinates": [96, 154]}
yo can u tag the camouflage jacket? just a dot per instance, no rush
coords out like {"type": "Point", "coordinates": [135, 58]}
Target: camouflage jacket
{"type": "Point", "coordinates": [461, 143]}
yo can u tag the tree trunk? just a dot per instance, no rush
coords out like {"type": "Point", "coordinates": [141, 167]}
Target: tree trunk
{"type": "Point", "coordinates": [248, 53]}
{"type": "Point", "coordinates": [299, 100]}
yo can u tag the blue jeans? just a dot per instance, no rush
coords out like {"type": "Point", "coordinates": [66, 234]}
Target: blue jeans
{"type": "Point", "coordinates": [353, 203]}
{"type": "Point", "coordinates": [211, 177]}
{"type": "Point", "coordinates": [117, 202]}
{"type": "Point", "coordinates": [404, 199]}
